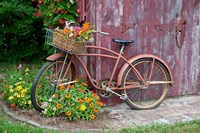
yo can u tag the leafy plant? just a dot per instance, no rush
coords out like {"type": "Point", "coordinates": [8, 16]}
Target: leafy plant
{"type": "Point", "coordinates": [17, 87]}
{"type": "Point", "coordinates": [21, 35]}
{"type": "Point", "coordinates": [56, 12]}
{"type": "Point", "coordinates": [74, 101]}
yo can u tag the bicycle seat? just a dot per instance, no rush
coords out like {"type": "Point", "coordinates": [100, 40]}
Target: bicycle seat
{"type": "Point", "coordinates": [123, 42]}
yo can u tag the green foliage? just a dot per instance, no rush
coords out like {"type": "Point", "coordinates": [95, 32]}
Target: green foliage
{"type": "Point", "coordinates": [56, 12]}
{"type": "Point", "coordinates": [16, 88]}
{"type": "Point", "coordinates": [21, 35]}
{"type": "Point", "coordinates": [74, 101]}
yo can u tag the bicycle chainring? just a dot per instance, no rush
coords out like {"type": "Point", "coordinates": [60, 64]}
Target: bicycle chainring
{"type": "Point", "coordinates": [104, 93]}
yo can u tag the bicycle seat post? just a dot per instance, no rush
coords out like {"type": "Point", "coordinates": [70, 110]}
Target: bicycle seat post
{"type": "Point", "coordinates": [122, 50]}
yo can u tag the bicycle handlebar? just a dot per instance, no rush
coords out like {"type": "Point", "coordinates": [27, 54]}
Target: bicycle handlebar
{"type": "Point", "coordinates": [100, 32]}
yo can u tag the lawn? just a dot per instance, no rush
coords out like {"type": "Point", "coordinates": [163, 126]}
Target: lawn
{"type": "Point", "coordinates": [10, 126]}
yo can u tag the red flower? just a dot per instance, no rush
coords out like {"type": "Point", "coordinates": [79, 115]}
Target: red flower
{"type": "Point", "coordinates": [12, 105]}
{"type": "Point", "coordinates": [57, 0]}
{"type": "Point", "coordinates": [61, 21]}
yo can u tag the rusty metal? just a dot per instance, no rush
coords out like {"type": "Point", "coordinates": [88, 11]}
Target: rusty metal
{"type": "Point", "coordinates": [156, 31]}
{"type": "Point", "coordinates": [180, 27]}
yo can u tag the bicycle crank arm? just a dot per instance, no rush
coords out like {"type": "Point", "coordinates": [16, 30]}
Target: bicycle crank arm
{"type": "Point", "coordinates": [123, 96]}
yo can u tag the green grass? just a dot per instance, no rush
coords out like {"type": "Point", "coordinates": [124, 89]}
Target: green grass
{"type": "Point", "coordinates": [10, 126]}
{"type": "Point", "coordinates": [183, 127]}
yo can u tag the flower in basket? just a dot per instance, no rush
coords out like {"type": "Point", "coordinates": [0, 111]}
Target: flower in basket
{"type": "Point", "coordinates": [80, 33]}
{"type": "Point", "coordinates": [56, 12]}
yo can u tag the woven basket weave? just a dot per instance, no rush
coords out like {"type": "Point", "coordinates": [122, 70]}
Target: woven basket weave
{"type": "Point", "coordinates": [58, 38]}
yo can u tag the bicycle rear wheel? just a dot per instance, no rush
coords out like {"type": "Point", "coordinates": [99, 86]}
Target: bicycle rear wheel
{"type": "Point", "coordinates": [46, 82]}
{"type": "Point", "coordinates": [146, 97]}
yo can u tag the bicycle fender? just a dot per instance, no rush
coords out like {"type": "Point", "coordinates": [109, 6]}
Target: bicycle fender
{"type": "Point", "coordinates": [122, 70]}
{"type": "Point", "coordinates": [54, 57]}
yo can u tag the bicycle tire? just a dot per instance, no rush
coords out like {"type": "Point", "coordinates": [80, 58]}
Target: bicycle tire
{"type": "Point", "coordinates": [43, 86]}
{"type": "Point", "coordinates": [152, 96]}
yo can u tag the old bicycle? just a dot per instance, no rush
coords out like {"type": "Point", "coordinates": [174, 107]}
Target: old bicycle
{"type": "Point", "coordinates": [142, 82]}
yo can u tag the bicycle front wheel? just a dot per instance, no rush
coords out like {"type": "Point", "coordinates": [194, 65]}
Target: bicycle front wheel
{"type": "Point", "coordinates": [146, 97]}
{"type": "Point", "coordinates": [47, 81]}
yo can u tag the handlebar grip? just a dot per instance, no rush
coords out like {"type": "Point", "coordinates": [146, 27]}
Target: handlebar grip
{"type": "Point", "coordinates": [100, 32]}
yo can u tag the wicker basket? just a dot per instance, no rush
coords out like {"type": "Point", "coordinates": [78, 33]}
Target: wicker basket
{"type": "Point", "coordinates": [59, 39]}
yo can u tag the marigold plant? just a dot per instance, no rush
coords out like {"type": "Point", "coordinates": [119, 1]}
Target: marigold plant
{"type": "Point", "coordinates": [17, 87]}
{"type": "Point", "coordinates": [75, 102]}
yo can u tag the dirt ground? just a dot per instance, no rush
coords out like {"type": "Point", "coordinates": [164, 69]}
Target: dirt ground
{"type": "Point", "coordinates": [101, 121]}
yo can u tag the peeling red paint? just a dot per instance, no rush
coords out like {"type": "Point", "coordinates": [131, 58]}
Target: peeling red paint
{"type": "Point", "coordinates": [153, 24]}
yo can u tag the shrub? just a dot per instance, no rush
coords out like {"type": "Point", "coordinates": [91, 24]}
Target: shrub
{"type": "Point", "coordinates": [17, 87]}
{"type": "Point", "coordinates": [74, 101]}
{"type": "Point", "coordinates": [21, 35]}
{"type": "Point", "coordinates": [56, 12]}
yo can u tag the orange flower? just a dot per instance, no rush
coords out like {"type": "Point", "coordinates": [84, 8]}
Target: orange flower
{"type": "Point", "coordinates": [67, 30]}
{"type": "Point", "coordinates": [84, 84]}
{"type": "Point", "coordinates": [56, 95]}
{"type": "Point", "coordinates": [94, 95]}
{"type": "Point", "coordinates": [62, 88]}
{"type": "Point", "coordinates": [92, 117]}
{"type": "Point", "coordinates": [59, 106]}
{"type": "Point", "coordinates": [86, 26]}
{"type": "Point", "coordinates": [80, 100]}
{"type": "Point", "coordinates": [67, 95]}
{"type": "Point", "coordinates": [87, 100]}
{"type": "Point", "coordinates": [91, 105]}
{"type": "Point", "coordinates": [3, 93]}
{"type": "Point", "coordinates": [71, 86]}
{"type": "Point", "coordinates": [76, 80]}
{"type": "Point", "coordinates": [96, 110]}
{"type": "Point", "coordinates": [98, 98]}
{"type": "Point", "coordinates": [99, 103]}
{"type": "Point", "coordinates": [68, 113]}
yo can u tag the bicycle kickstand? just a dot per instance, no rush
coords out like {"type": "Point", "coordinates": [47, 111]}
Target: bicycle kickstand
{"type": "Point", "coordinates": [123, 96]}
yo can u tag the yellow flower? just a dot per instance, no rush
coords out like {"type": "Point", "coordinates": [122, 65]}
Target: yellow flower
{"type": "Point", "coordinates": [68, 113]}
{"type": "Point", "coordinates": [20, 78]}
{"type": "Point", "coordinates": [11, 98]}
{"type": "Point", "coordinates": [23, 91]}
{"type": "Point", "coordinates": [22, 95]}
{"type": "Point", "coordinates": [67, 96]}
{"type": "Point", "coordinates": [92, 117]}
{"type": "Point", "coordinates": [15, 94]}
{"type": "Point", "coordinates": [11, 90]}
{"type": "Point", "coordinates": [59, 106]}
{"type": "Point", "coordinates": [82, 107]}
{"type": "Point", "coordinates": [91, 105]}
{"type": "Point", "coordinates": [29, 102]}
{"type": "Point", "coordinates": [11, 87]}
{"type": "Point", "coordinates": [19, 88]}
{"type": "Point", "coordinates": [18, 96]}
{"type": "Point", "coordinates": [26, 70]}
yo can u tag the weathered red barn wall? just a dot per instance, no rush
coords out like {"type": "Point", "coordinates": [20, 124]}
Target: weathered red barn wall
{"type": "Point", "coordinates": [169, 29]}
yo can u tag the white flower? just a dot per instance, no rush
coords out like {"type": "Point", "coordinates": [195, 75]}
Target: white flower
{"type": "Point", "coordinates": [72, 1]}
{"type": "Point", "coordinates": [54, 109]}
{"type": "Point", "coordinates": [45, 111]}
{"type": "Point", "coordinates": [50, 100]}
{"type": "Point", "coordinates": [45, 104]}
